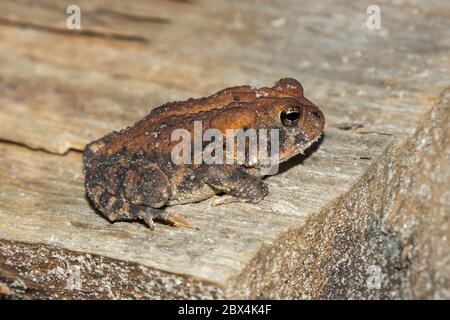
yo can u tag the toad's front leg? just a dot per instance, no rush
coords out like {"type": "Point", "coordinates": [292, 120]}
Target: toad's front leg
{"type": "Point", "coordinates": [236, 182]}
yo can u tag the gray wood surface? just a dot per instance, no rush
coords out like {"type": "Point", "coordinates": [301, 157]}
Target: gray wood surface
{"type": "Point", "coordinates": [60, 89]}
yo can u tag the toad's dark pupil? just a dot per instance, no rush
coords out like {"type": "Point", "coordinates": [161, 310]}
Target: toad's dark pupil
{"type": "Point", "coordinates": [290, 117]}
{"type": "Point", "coordinates": [293, 116]}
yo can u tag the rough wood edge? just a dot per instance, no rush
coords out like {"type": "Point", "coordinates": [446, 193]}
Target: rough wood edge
{"type": "Point", "coordinates": [305, 263]}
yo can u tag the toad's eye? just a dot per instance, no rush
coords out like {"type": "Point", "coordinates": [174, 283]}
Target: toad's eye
{"type": "Point", "coordinates": [290, 116]}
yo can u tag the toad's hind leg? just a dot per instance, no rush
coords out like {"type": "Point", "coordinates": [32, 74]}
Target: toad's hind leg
{"type": "Point", "coordinates": [116, 209]}
{"type": "Point", "coordinates": [133, 192]}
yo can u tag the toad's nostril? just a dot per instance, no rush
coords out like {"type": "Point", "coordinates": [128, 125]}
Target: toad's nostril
{"type": "Point", "coordinates": [317, 113]}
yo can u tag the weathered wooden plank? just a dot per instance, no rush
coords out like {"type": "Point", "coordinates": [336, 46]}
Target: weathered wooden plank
{"type": "Point", "coordinates": [60, 89]}
{"type": "Point", "coordinates": [106, 84]}
{"type": "Point", "coordinates": [228, 231]}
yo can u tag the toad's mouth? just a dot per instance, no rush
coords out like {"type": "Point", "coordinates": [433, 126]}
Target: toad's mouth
{"type": "Point", "coordinates": [299, 149]}
{"type": "Point", "coordinates": [271, 165]}
{"type": "Point", "coordinates": [302, 148]}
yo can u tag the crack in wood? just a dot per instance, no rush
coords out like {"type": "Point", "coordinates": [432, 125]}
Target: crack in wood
{"type": "Point", "coordinates": [132, 17]}
{"type": "Point", "coordinates": [375, 132]}
{"type": "Point", "coordinates": [84, 33]}
{"type": "Point", "coordinates": [39, 149]}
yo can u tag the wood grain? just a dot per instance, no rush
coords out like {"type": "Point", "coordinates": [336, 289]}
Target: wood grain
{"type": "Point", "coordinates": [60, 89]}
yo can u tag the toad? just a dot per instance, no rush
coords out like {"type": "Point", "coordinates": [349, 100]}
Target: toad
{"type": "Point", "coordinates": [133, 174]}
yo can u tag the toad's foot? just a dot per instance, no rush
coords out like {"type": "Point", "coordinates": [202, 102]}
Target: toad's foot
{"type": "Point", "coordinates": [225, 199]}
{"type": "Point", "coordinates": [219, 200]}
{"type": "Point", "coordinates": [178, 220]}
{"type": "Point", "coordinates": [174, 219]}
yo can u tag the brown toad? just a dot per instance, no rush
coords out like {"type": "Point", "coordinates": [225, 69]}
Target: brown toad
{"type": "Point", "coordinates": [132, 175]}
